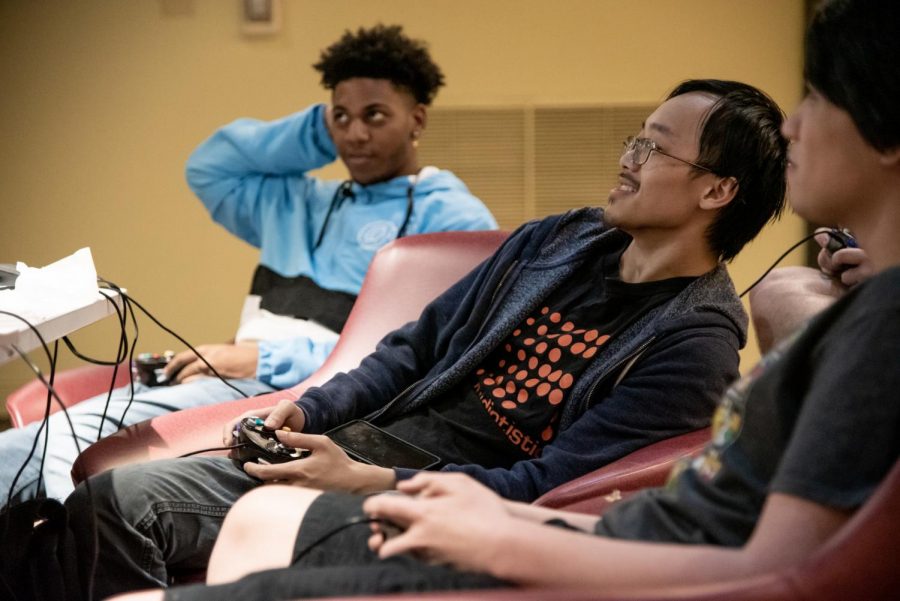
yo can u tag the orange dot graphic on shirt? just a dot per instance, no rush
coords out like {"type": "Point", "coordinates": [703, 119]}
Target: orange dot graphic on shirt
{"type": "Point", "coordinates": [521, 375]}
{"type": "Point", "coordinates": [532, 363]}
{"type": "Point", "coordinates": [508, 348]}
{"type": "Point", "coordinates": [508, 405]}
{"type": "Point", "coordinates": [568, 326]}
{"type": "Point", "coordinates": [555, 317]}
{"type": "Point", "coordinates": [512, 368]}
{"type": "Point", "coordinates": [544, 370]}
{"type": "Point", "coordinates": [521, 355]}
{"type": "Point", "coordinates": [602, 340]}
{"type": "Point", "coordinates": [578, 348]}
{"type": "Point", "coordinates": [579, 331]}
{"type": "Point", "coordinates": [555, 375]}
{"type": "Point", "coordinates": [528, 341]}
{"type": "Point", "coordinates": [523, 396]}
{"type": "Point", "coordinates": [543, 389]}
{"type": "Point", "coordinates": [541, 347]}
{"type": "Point", "coordinates": [547, 434]}
{"type": "Point", "coordinates": [501, 363]}
{"type": "Point", "coordinates": [555, 397]}
{"type": "Point", "coordinates": [554, 355]}
{"type": "Point", "coordinates": [566, 381]}
{"type": "Point", "coordinates": [499, 393]}
{"type": "Point", "coordinates": [591, 335]}
{"type": "Point", "coordinates": [564, 340]}
{"type": "Point", "coordinates": [499, 379]}
{"type": "Point", "coordinates": [516, 332]}
{"type": "Point", "coordinates": [541, 330]}
{"type": "Point", "coordinates": [530, 321]}
{"type": "Point", "coordinates": [590, 352]}
{"type": "Point", "coordinates": [510, 387]}
{"type": "Point", "coordinates": [479, 372]}
{"type": "Point", "coordinates": [531, 383]}
{"type": "Point", "coordinates": [489, 382]}
{"type": "Point", "coordinates": [545, 310]}
{"type": "Point", "coordinates": [552, 336]}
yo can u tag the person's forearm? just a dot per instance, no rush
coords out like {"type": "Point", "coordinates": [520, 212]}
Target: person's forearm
{"type": "Point", "coordinates": [595, 562]}
{"type": "Point", "coordinates": [534, 513]}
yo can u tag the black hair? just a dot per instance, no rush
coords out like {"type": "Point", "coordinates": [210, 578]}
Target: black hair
{"type": "Point", "coordinates": [741, 138]}
{"type": "Point", "coordinates": [852, 58]}
{"type": "Point", "coordinates": [382, 52]}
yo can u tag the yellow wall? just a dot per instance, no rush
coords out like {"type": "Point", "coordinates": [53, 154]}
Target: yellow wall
{"type": "Point", "coordinates": [101, 101]}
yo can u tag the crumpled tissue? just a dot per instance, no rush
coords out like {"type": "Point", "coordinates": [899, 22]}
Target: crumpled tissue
{"type": "Point", "coordinates": [45, 292]}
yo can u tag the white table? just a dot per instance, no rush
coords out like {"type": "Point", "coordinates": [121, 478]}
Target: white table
{"type": "Point", "coordinates": [14, 331]}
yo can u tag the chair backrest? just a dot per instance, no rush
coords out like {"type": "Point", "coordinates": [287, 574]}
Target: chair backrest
{"type": "Point", "coordinates": [404, 276]}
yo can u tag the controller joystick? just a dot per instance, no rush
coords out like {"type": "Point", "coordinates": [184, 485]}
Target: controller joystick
{"type": "Point", "coordinates": [257, 442]}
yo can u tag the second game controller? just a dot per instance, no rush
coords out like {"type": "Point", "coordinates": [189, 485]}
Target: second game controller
{"type": "Point", "coordinates": [257, 442]}
{"type": "Point", "coordinates": [149, 368]}
{"type": "Point", "coordinates": [839, 239]}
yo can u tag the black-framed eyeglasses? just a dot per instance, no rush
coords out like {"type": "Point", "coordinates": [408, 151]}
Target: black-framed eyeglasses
{"type": "Point", "coordinates": [640, 149]}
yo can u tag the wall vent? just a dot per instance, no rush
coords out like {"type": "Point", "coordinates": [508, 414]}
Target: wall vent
{"type": "Point", "coordinates": [530, 161]}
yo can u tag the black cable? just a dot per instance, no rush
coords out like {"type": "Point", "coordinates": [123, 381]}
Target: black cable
{"type": "Point", "coordinates": [351, 522]}
{"type": "Point", "coordinates": [120, 356]}
{"type": "Point", "coordinates": [778, 260]}
{"type": "Point", "coordinates": [179, 338]}
{"type": "Point", "coordinates": [211, 449]}
{"type": "Point", "coordinates": [85, 358]}
{"type": "Point", "coordinates": [46, 420]}
{"type": "Point", "coordinates": [134, 340]}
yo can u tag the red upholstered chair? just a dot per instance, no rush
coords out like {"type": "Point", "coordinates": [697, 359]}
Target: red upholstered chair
{"type": "Point", "coordinates": [404, 276]}
{"type": "Point", "coordinates": [27, 403]}
{"type": "Point", "coordinates": [644, 468]}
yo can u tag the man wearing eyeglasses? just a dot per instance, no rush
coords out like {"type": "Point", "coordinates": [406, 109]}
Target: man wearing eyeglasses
{"type": "Point", "coordinates": [586, 336]}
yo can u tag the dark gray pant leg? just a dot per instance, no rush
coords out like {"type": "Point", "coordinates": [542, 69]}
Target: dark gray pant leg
{"type": "Point", "coordinates": [153, 519]}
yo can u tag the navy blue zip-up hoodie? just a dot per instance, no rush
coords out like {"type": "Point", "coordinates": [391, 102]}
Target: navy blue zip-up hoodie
{"type": "Point", "coordinates": [676, 359]}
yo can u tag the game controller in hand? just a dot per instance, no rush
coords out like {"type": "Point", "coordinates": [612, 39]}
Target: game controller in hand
{"type": "Point", "coordinates": [149, 368]}
{"type": "Point", "coordinates": [260, 443]}
{"type": "Point", "coordinates": [839, 239]}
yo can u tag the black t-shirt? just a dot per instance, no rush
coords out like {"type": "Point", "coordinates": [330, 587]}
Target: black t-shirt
{"type": "Point", "coordinates": [818, 418]}
{"type": "Point", "coordinates": [508, 408]}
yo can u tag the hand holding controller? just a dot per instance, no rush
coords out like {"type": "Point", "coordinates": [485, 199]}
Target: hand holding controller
{"type": "Point", "coordinates": [260, 443]}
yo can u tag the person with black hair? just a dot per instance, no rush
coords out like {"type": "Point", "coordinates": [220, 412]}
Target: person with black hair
{"type": "Point", "coordinates": [316, 239]}
{"type": "Point", "coordinates": [799, 444]}
{"type": "Point", "coordinates": [586, 336]}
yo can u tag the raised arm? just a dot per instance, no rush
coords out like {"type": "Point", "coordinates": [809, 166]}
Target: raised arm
{"type": "Point", "coordinates": [249, 164]}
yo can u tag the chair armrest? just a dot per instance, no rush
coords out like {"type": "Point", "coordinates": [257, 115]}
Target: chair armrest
{"type": "Point", "coordinates": [28, 403]}
{"type": "Point", "coordinates": [168, 436]}
{"type": "Point", "coordinates": [644, 468]}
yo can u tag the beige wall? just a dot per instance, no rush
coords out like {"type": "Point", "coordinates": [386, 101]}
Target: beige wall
{"type": "Point", "coordinates": [101, 101]}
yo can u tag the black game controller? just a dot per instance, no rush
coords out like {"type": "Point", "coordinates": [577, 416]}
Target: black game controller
{"type": "Point", "coordinates": [259, 442]}
{"type": "Point", "coordinates": [149, 368]}
{"type": "Point", "coordinates": [839, 239]}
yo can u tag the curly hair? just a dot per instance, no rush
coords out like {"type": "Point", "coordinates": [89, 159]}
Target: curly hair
{"type": "Point", "coordinates": [382, 52]}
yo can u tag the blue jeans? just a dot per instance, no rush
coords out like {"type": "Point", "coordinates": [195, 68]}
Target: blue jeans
{"type": "Point", "coordinates": [16, 443]}
{"type": "Point", "coordinates": [154, 520]}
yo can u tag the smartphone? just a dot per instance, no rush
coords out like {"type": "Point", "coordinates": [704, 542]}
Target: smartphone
{"type": "Point", "coordinates": [370, 444]}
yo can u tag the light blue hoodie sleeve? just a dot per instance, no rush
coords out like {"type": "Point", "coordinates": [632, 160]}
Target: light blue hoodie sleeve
{"type": "Point", "coordinates": [249, 164]}
{"type": "Point", "coordinates": [284, 363]}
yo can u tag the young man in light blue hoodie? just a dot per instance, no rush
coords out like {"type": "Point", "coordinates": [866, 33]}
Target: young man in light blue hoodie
{"type": "Point", "coordinates": [316, 237]}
